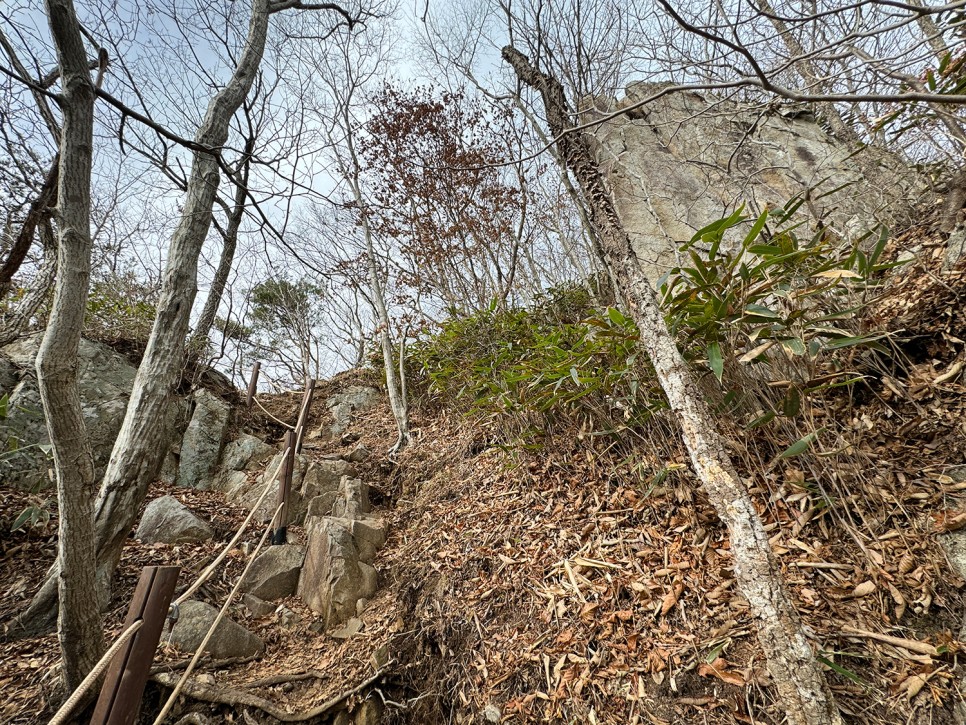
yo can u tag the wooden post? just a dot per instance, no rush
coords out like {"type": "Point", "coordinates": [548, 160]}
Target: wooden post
{"type": "Point", "coordinates": [253, 384]}
{"type": "Point", "coordinates": [285, 488]}
{"type": "Point", "coordinates": [304, 414]}
{"type": "Point", "coordinates": [120, 699]}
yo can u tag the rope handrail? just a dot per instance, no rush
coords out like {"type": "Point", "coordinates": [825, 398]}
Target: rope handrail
{"type": "Point", "coordinates": [221, 613]}
{"type": "Point", "coordinates": [210, 569]}
{"type": "Point", "coordinates": [67, 708]}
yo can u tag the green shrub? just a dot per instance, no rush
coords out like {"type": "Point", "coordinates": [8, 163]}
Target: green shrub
{"type": "Point", "coordinates": [777, 301]}
{"type": "Point", "coordinates": [120, 308]}
{"type": "Point", "coordinates": [786, 304]}
{"type": "Point", "coordinates": [561, 358]}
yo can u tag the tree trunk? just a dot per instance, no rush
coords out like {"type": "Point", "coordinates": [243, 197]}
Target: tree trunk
{"type": "Point", "coordinates": [395, 383]}
{"type": "Point", "coordinates": [19, 318]}
{"type": "Point", "coordinates": [79, 622]}
{"type": "Point", "coordinates": [138, 450]}
{"type": "Point", "coordinates": [798, 679]}
{"type": "Point", "coordinates": [25, 237]}
{"type": "Point", "coordinates": [230, 236]}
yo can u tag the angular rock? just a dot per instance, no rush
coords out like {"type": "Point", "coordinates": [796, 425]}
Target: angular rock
{"type": "Point", "coordinates": [257, 607]}
{"type": "Point", "coordinates": [349, 629]}
{"type": "Point", "coordinates": [245, 452]}
{"type": "Point", "coordinates": [275, 573]}
{"type": "Point", "coordinates": [9, 375]}
{"type": "Point", "coordinates": [203, 439]}
{"type": "Point", "coordinates": [333, 578]}
{"type": "Point", "coordinates": [104, 382]}
{"type": "Point", "coordinates": [229, 639]}
{"type": "Point", "coordinates": [245, 490]}
{"type": "Point", "coordinates": [287, 619]}
{"type": "Point", "coordinates": [371, 530]}
{"type": "Point", "coordinates": [355, 398]}
{"type": "Point", "coordinates": [358, 454]}
{"type": "Point", "coordinates": [353, 500]}
{"type": "Point", "coordinates": [321, 505]}
{"type": "Point", "coordinates": [166, 520]}
{"type": "Point", "coordinates": [325, 475]}
{"type": "Point", "coordinates": [321, 477]}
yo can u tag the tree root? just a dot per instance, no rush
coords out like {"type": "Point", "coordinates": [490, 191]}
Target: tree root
{"type": "Point", "coordinates": [222, 695]}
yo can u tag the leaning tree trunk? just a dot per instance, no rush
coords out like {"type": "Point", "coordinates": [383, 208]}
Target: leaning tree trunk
{"type": "Point", "coordinates": [38, 209]}
{"type": "Point", "coordinates": [19, 318]}
{"type": "Point", "coordinates": [801, 686]}
{"type": "Point", "coordinates": [138, 450]}
{"type": "Point", "coordinates": [79, 622]}
{"type": "Point", "coordinates": [220, 281]}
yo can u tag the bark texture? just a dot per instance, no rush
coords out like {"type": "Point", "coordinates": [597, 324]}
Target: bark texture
{"type": "Point", "coordinates": [798, 679]}
{"type": "Point", "coordinates": [137, 454]}
{"type": "Point", "coordinates": [79, 622]}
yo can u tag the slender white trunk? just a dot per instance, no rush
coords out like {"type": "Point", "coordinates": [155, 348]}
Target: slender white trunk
{"type": "Point", "coordinates": [79, 622]}
{"type": "Point", "coordinates": [798, 679]}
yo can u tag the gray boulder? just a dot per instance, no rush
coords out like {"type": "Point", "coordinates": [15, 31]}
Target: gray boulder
{"type": "Point", "coordinates": [203, 439]}
{"type": "Point", "coordinates": [257, 607]}
{"type": "Point", "coordinates": [229, 639]}
{"type": "Point", "coordinates": [275, 573]}
{"type": "Point", "coordinates": [104, 381]}
{"type": "Point", "coordinates": [353, 499]}
{"type": "Point", "coordinates": [245, 452]}
{"type": "Point", "coordinates": [333, 578]}
{"type": "Point", "coordinates": [320, 478]}
{"type": "Point", "coordinates": [354, 399]}
{"type": "Point", "coordinates": [9, 375]}
{"type": "Point", "coordinates": [166, 520]}
{"type": "Point", "coordinates": [688, 159]}
{"type": "Point", "coordinates": [359, 454]}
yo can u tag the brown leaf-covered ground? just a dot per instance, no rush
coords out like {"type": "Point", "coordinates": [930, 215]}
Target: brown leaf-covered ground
{"type": "Point", "coordinates": [566, 585]}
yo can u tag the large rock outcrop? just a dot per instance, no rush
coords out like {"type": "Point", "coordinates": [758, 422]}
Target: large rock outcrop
{"type": "Point", "coordinates": [203, 440]}
{"type": "Point", "coordinates": [104, 380]}
{"type": "Point", "coordinates": [685, 160]}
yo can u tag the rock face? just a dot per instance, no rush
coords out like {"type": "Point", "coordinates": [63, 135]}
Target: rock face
{"type": "Point", "coordinates": [166, 520]}
{"type": "Point", "coordinates": [310, 479]}
{"type": "Point", "coordinates": [243, 452]}
{"type": "Point", "coordinates": [686, 160]}
{"type": "Point", "coordinates": [275, 573]}
{"type": "Point", "coordinates": [354, 399]}
{"type": "Point", "coordinates": [203, 439]}
{"type": "Point", "coordinates": [104, 379]}
{"type": "Point", "coordinates": [342, 543]}
{"type": "Point", "coordinates": [229, 639]}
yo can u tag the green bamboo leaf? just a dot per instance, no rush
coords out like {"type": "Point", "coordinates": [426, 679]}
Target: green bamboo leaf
{"type": "Point", "coordinates": [800, 446]}
{"type": "Point", "coordinates": [715, 360]}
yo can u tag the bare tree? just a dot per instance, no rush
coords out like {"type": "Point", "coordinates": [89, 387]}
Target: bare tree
{"type": "Point", "coordinates": [137, 453]}
{"type": "Point", "coordinates": [346, 76]}
{"type": "Point", "coordinates": [79, 622]}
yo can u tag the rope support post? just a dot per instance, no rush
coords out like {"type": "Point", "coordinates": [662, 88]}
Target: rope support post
{"type": "Point", "coordinates": [253, 384]}
{"type": "Point", "coordinates": [120, 699]}
{"type": "Point", "coordinates": [285, 489]}
{"type": "Point", "coordinates": [304, 414]}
